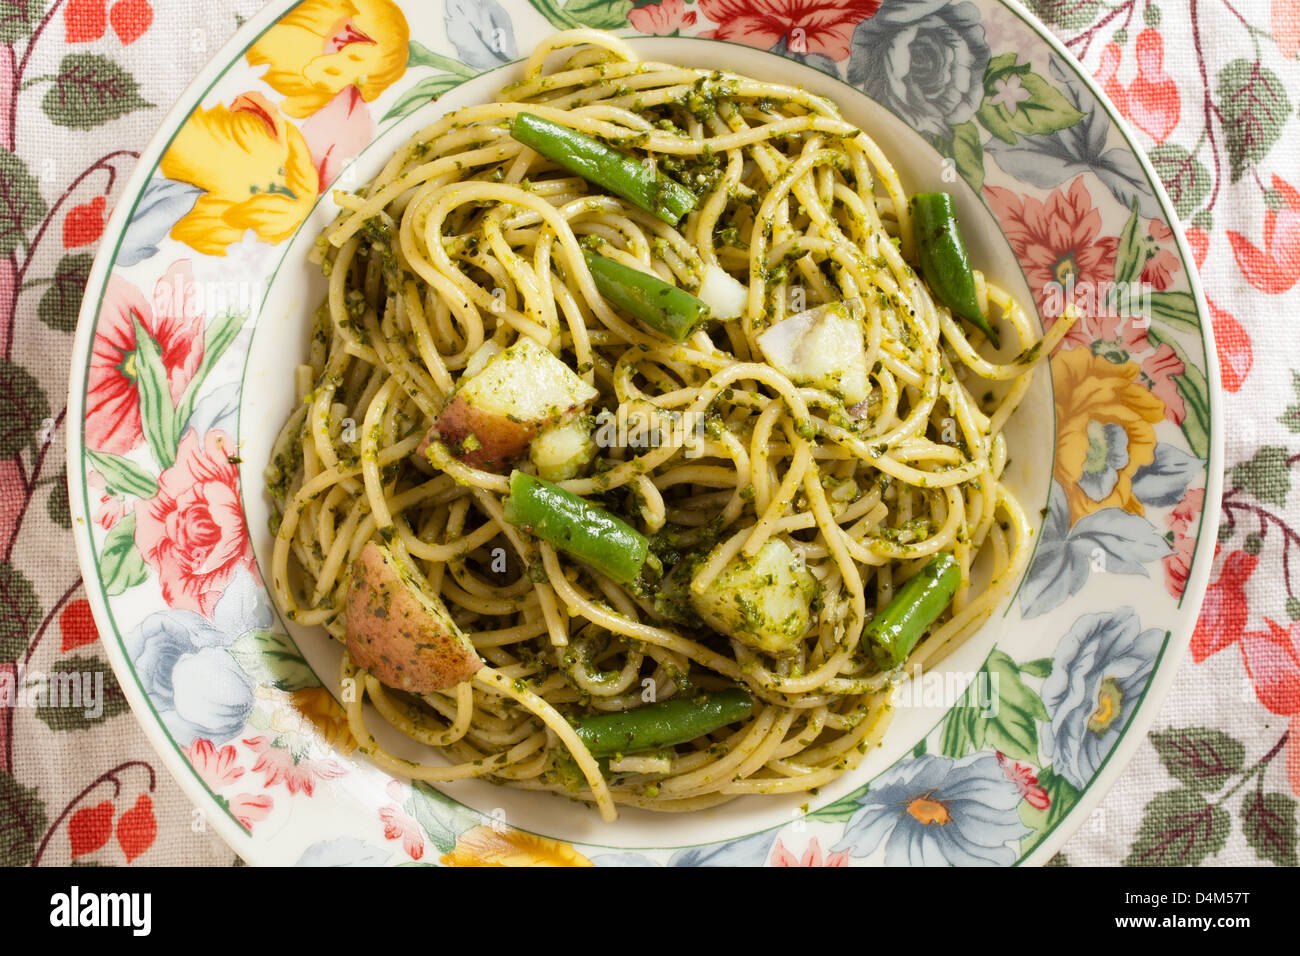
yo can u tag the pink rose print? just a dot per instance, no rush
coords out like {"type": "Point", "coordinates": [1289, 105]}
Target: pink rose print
{"type": "Point", "coordinates": [1182, 522]}
{"type": "Point", "coordinates": [811, 857]}
{"type": "Point", "coordinates": [249, 808]}
{"type": "Point", "coordinates": [661, 19]}
{"type": "Point", "coordinates": [399, 826]}
{"type": "Point", "coordinates": [217, 769]}
{"type": "Point", "coordinates": [192, 531]}
{"type": "Point", "coordinates": [282, 765]}
{"type": "Point", "coordinates": [807, 26]}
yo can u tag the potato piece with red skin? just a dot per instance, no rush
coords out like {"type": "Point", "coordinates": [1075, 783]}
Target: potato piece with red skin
{"type": "Point", "coordinates": [479, 438]}
{"type": "Point", "coordinates": [496, 413]}
{"type": "Point", "coordinates": [401, 635]}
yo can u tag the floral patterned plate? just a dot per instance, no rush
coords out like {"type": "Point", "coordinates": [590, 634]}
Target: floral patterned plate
{"type": "Point", "coordinates": [198, 308]}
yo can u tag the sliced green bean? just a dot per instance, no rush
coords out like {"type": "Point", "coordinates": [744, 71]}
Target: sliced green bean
{"type": "Point", "coordinates": [634, 180]}
{"type": "Point", "coordinates": [576, 527]}
{"type": "Point", "coordinates": [662, 306]}
{"type": "Point", "coordinates": [663, 724]}
{"type": "Point", "coordinates": [945, 264]}
{"type": "Point", "coordinates": [916, 605]}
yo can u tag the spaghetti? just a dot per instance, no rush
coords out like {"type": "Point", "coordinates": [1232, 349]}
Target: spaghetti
{"type": "Point", "coordinates": [724, 450]}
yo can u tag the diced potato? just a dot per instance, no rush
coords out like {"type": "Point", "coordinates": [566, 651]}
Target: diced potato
{"type": "Point", "coordinates": [560, 452]}
{"type": "Point", "coordinates": [518, 393]}
{"type": "Point", "coordinates": [400, 634]}
{"type": "Point", "coordinates": [763, 601]}
{"type": "Point", "coordinates": [725, 296]}
{"type": "Point", "coordinates": [822, 347]}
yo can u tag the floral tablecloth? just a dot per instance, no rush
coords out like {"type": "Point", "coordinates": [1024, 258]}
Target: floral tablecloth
{"type": "Point", "coordinates": [1212, 88]}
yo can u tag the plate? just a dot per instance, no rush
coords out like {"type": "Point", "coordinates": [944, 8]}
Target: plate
{"type": "Point", "coordinates": [198, 309]}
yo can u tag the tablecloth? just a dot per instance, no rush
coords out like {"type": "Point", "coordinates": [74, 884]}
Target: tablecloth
{"type": "Point", "coordinates": [1210, 86]}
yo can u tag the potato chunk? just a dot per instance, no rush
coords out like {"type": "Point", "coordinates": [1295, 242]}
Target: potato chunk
{"type": "Point", "coordinates": [822, 347]}
{"type": "Point", "coordinates": [400, 634]}
{"type": "Point", "coordinates": [518, 393]}
{"type": "Point", "coordinates": [763, 601]}
{"type": "Point", "coordinates": [560, 452]}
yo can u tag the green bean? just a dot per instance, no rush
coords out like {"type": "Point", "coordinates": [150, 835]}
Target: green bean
{"type": "Point", "coordinates": [916, 605]}
{"type": "Point", "coordinates": [945, 264]}
{"type": "Point", "coordinates": [634, 180]}
{"type": "Point", "coordinates": [663, 307]}
{"type": "Point", "coordinates": [576, 527]}
{"type": "Point", "coordinates": [664, 723]}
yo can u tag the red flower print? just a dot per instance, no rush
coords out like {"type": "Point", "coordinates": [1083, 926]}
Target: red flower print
{"type": "Point", "coordinates": [216, 768]}
{"type": "Point", "coordinates": [1225, 609]}
{"type": "Point", "coordinates": [89, 828]}
{"type": "Point", "coordinates": [1182, 522]}
{"type": "Point", "coordinates": [1276, 267]}
{"type": "Point", "coordinates": [1160, 268]}
{"type": "Point", "coordinates": [1108, 76]}
{"type": "Point", "coordinates": [250, 808]}
{"type": "Point", "coordinates": [77, 626]}
{"type": "Point", "coordinates": [1293, 755]}
{"type": "Point", "coordinates": [1199, 240]}
{"type": "Point", "coordinates": [84, 20]}
{"type": "Point", "coordinates": [113, 402]}
{"type": "Point", "coordinates": [1153, 95]}
{"type": "Point", "coordinates": [1150, 102]}
{"type": "Point", "coordinates": [1057, 243]}
{"type": "Point", "coordinates": [1022, 775]}
{"type": "Point", "coordinates": [807, 26]}
{"type": "Point", "coordinates": [661, 19]}
{"type": "Point", "coordinates": [297, 773]}
{"type": "Point", "coordinates": [1273, 662]}
{"type": "Point", "coordinates": [1284, 17]}
{"type": "Point", "coordinates": [811, 857]}
{"type": "Point", "coordinates": [192, 531]}
{"type": "Point", "coordinates": [1232, 343]}
{"type": "Point", "coordinates": [399, 826]}
{"type": "Point", "coordinates": [84, 224]}
{"type": "Point", "coordinates": [137, 828]}
{"type": "Point", "coordinates": [130, 19]}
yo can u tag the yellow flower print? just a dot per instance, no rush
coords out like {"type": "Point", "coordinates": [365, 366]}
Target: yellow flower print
{"type": "Point", "coordinates": [319, 709]}
{"type": "Point", "coordinates": [256, 169]}
{"type": "Point", "coordinates": [1105, 423]}
{"type": "Point", "coordinates": [311, 714]}
{"type": "Point", "coordinates": [321, 47]}
{"type": "Point", "coordinates": [488, 846]}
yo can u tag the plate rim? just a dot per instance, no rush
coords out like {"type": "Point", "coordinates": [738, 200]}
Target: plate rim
{"type": "Point", "coordinates": [245, 844]}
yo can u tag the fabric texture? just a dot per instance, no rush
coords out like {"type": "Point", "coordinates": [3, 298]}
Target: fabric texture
{"type": "Point", "coordinates": [1211, 89]}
